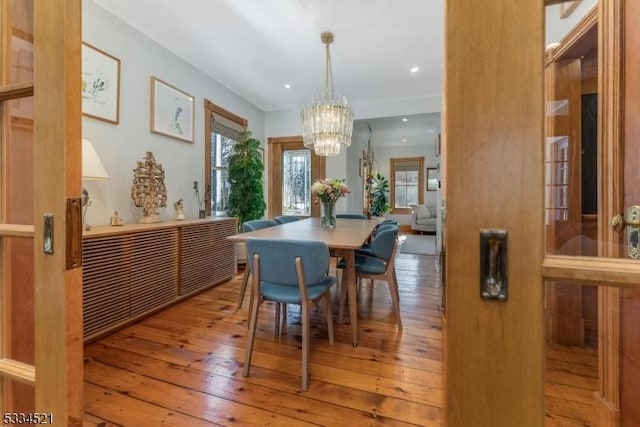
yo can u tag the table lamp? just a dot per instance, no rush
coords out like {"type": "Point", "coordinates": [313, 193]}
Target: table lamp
{"type": "Point", "coordinates": [92, 170]}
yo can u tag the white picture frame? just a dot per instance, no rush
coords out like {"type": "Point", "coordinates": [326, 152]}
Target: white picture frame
{"type": "Point", "coordinates": [171, 111]}
{"type": "Point", "coordinates": [100, 84]}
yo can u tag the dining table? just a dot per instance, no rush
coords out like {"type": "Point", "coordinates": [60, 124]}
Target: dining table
{"type": "Point", "coordinates": [342, 241]}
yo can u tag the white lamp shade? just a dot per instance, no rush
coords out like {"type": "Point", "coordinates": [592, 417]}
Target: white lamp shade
{"type": "Point", "coordinates": [92, 168]}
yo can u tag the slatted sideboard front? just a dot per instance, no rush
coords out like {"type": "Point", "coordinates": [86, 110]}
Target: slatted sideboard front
{"type": "Point", "coordinates": [134, 270]}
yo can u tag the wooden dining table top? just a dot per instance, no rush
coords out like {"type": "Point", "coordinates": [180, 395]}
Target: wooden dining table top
{"type": "Point", "coordinates": [348, 233]}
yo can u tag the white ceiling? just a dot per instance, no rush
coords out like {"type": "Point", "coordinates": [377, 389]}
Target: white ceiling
{"type": "Point", "coordinates": [254, 47]}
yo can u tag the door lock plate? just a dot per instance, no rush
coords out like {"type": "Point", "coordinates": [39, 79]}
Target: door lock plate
{"type": "Point", "coordinates": [633, 231]}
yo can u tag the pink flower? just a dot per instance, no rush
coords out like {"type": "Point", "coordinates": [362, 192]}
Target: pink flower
{"type": "Point", "coordinates": [329, 189]}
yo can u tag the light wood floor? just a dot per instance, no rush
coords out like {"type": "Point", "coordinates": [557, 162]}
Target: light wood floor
{"type": "Point", "coordinates": [183, 366]}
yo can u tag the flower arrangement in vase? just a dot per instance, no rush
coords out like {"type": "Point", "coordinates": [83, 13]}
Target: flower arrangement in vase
{"type": "Point", "coordinates": [328, 191]}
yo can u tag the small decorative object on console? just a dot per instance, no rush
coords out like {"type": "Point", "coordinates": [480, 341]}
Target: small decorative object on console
{"type": "Point", "coordinates": [202, 201]}
{"type": "Point", "coordinates": [148, 191]}
{"type": "Point", "coordinates": [115, 219]}
{"type": "Point", "coordinates": [179, 208]}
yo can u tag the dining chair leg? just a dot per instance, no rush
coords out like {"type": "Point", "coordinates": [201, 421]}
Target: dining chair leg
{"type": "Point", "coordinates": [306, 331]}
{"type": "Point", "coordinates": [285, 312]}
{"type": "Point", "coordinates": [329, 313]}
{"type": "Point", "coordinates": [395, 295]}
{"type": "Point", "coordinates": [253, 320]}
{"type": "Point", "coordinates": [343, 297]}
{"type": "Point", "coordinates": [250, 305]}
{"type": "Point", "coordinates": [278, 319]}
{"type": "Point", "coordinates": [243, 286]}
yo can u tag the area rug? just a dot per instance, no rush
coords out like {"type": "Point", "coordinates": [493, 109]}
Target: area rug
{"type": "Point", "coordinates": [418, 244]}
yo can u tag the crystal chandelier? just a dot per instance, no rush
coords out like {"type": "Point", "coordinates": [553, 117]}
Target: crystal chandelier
{"type": "Point", "coordinates": [327, 120]}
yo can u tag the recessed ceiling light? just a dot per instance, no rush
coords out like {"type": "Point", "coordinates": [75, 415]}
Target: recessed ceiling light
{"type": "Point", "coordinates": [287, 86]}
{"type": "Point", "coordinates": [404, 119]}
{"type": "Point", "coordinates": [404, 139]}
{"type": "Point", "coordinates": [415, 69]}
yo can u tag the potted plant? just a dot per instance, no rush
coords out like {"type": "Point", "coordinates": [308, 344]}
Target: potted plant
{"type": "Point", "coordinates": [244, 174]}
{"type": "Point", "coordinates": [378, 189]}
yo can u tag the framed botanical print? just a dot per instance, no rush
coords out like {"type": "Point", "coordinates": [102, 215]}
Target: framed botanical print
{"type": "Point", "coordinates": [171, 111]}
{"type": "Point", "coordinates": [100, 84]}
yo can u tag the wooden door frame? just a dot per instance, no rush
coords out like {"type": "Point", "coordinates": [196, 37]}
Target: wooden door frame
{"type": "Point", "coordinates": [277, 145]}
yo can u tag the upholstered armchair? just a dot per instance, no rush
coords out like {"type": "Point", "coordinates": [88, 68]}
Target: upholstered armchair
{"type": "Point", "coordinates": [423, 218]}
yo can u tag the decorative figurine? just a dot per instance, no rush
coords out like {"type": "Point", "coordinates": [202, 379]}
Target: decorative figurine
{"type": "Point", "coordinates": [115, 219]}
{"type": "Point", "coordinates": [148, 191]}
{"type": "Point", "coordinates": [179, 208]}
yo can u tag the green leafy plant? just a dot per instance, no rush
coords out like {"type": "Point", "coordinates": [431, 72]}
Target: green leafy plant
{"type": "Point", "coordinates": [378, 188]}
{"type": "Point", "coordinates": [246, 196]}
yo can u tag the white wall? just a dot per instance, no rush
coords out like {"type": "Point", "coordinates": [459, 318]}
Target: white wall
{"type": "Point", "coordinates": [557, 28]}
{"type": "Point", "coordinates": [120, 146]}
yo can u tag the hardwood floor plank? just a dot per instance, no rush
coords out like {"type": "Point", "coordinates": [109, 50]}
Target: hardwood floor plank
{"type": "Point", "coordinates": [121, 409]}
{"type": "Point", "coordinates": [580, 412]}
{"type": "Point", "coordinates": [91, 420]}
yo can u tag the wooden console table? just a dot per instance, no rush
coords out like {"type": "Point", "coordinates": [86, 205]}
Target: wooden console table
{"type": "Point", "coordinates": [134, 270]}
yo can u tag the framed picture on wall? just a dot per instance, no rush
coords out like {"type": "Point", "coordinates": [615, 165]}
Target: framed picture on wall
{"type": "Point", "coordinates": [100, 84]}
{"type": "Point", "coordinates": [171, 111]}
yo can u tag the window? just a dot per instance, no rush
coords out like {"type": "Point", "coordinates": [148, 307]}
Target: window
{"type": "Point", "coordinates": [407, 183]}
{"type": "Point", "coordinates": [222, 129]}
{"type": "Point", "coordinates": [221, 149]}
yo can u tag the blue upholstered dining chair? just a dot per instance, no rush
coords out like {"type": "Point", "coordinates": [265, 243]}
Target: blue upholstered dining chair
{"type": "Point", "coordinates": [289, 272]}
{"type": "Point", "coordinates": [366, 249]}
{"type": "Point", "coordinates": [256, 224]}
{"type": "Point", "coordinates": [388, 222]}
{"type": "Point", "coordinates": [283, 219]}
{"type": "Point", "coordinates": [380, 265]}
{"type": "Point", "coordinates": [351, 216]}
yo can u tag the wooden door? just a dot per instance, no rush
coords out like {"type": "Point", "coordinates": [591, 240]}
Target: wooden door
{"type": "Point", "coordinates": [630, 306]}
{"type": "Point", "coordinates": [277, 148]}
{"type": "Point", "coordinates": [41, 314]}
{"type": "Point", "coordinates": [494, 360]}
{"type": "Point", "coordinates": [493, 133]}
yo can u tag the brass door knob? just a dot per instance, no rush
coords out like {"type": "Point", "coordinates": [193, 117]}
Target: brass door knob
{"type": "Point", "coordinates": [617, 223]}
{"type": "Point", "coordinates": [632, 222]}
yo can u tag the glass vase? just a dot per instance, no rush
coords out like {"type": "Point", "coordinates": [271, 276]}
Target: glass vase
{"type": "Point", "coordinates": [328, 219]}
